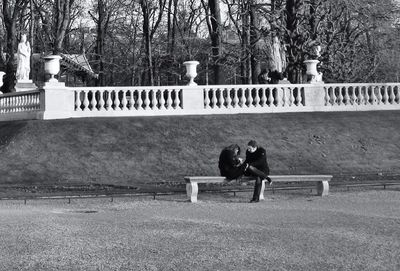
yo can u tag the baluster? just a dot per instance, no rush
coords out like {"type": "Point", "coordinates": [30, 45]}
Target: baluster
{"type": "Point", "coordinates": [219, 95]}
{"type": "Point", "coordinates": [123, 100]}
{"type": "Point", "coordinates": [353, 97]}
{"type": "Point", "coordinates": [291, 97]}
{"type": "Point", "coordinates": [145, 101]}
{"type": "Point", "coordinates": [366, 96]}
{"type": "Point", "coordinates": [392, 96]}
{"type": "Point", "coordinates": [241, 102]}
{"type": "Point", "coordinates": [92, 100]}
{"type": "Point", "coordinates": [339, 96]}
{"type": "Point", "coordinates": [152, 99]}
{"type": "Point", "coordinates": [373, 95]}
{"type": "Point", "coordinates": [270, 97]}
{"type": "Point", "coordinates": [228, 98]}
{"type": "Point", "coordinates": [286, 97]}
{"type": "Point", "coordinates": [18, 104]}
{"type": "Point", "coordinates": [213, 98]}
{"type": "Point", "coordinates": [263, 99]}
{"type": "Point", "coordinates": [235, 98]}
{"type": "Point", "coordinates": [108, 105]}
{"type": "Point", "coordinates": [32, 102]}
{"type": "Point", "coordinates": [379, 96]}
{"type": "Point", "coordinates": [256, 98]}
{"type": "Point", "coordinates": [334, 97]}
{"type": "Point", "coordinates": [385, 94]}
{"type": "Point", "coordinates": [25, 103]}
{"type": "Point", "coordinates": [250, 98]}
{"type": "Point", "coordinates": [346, 96]}
{"type": "Point", "coordinates": [173, 98]}
{"type": "Point", "coordinates": [162, 100]}
{"type": "Point", "coordinates": [360, 95]}
{"type": "Point", "coordinates": [85, 101]}
{"type": "Point", "coordinates": [21, 103]}
{"type": "Point", "coordinates": [299, 98]}
{"type": "Point", "coordinates": [139, 100]}
{"type": "Point", "coordinates": [131, 100]}
{"type": "Point", "coordinates": [100, 103]}
{"type": "Point", "coordinates": [169, 99]}
{"type": "Point", "coordinates": [397, 94]}
{"type": "Point", "coordinates": [14, 103]}
{"type": "Point", "coordinates": [1, 105]}
{"type": "Point", "coordinates": [326, 97]}
{"type": "Point", "coordinates": [76, 100]}
{"type": "Point", "coordinates": [10, 104]}
{"type": "Point", "coordinates": [206, 99]}
{"type": "Point", "coordinates": [28, 103]}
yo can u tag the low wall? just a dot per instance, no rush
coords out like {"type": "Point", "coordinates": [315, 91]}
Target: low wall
{"type": "Point", "coordinates": [55, 101]}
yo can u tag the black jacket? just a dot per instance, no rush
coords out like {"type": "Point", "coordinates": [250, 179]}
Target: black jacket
{"type": "Point", "coordinates": [229, 164]}
{"type": "Point", "coordinates": [258, 159]}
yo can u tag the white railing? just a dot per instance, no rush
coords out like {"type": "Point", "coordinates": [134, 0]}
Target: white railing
{"type": "Point", "coordinates": [126, 100]}
{"type": "Point", "coordinates": [245, 96]}
{"type": "Point", "coordinates": [362, 94]}
{"type": "Point", "coordinates": [57, 101]}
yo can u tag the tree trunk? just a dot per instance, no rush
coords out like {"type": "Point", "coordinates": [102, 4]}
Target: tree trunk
{"type": "Point", "coordinates": [148, 76]}
{"type": "Point", "coordinates": [245, 67]}
{"type": "Point", "coordinates": [254, 42]}
{"type": "Point", "coordinates": [63, 15]}
{"type": "Point", "coordinates": [215, 34]}
{"type": "Point", "coordinates": [294, 70]}
{"type": "Point", "coordinates": [10, 15]}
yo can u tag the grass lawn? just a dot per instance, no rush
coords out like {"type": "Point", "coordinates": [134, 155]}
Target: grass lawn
{"type": "Point", "coordinates": [135, 151]}
{"type": "Point", "coordinates": [356, 230]}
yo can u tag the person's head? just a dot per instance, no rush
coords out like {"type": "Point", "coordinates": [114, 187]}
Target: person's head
{"type": "Point", "coordinates": [252, 146]}
{"type": "Point", "coordinates": [23, 38]}
{"type": "Point", "coordinates": [235, 148]}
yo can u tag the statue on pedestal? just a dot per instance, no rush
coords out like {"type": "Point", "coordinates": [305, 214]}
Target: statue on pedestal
{"type": "Point", "coordinates": [23, 57]}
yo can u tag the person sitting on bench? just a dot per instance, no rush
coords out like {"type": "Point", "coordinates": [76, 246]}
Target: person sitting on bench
{"type": "Point", "coordinates": [232, 166]}
{"type": "Point", "coordinates": [256, 157]}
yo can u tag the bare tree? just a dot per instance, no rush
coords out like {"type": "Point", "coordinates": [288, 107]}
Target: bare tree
{"type": "Point", "coordinates": [11, 14]}
{"type": "Point", "coordinates": [152, 17]}
{"type": "Point", "coordinates": [213, 13]}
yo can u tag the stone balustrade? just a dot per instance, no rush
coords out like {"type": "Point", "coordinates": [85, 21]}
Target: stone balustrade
{"type": "Point", "coordinates": [20, 105]}
{"type": "Point", "coordinates": [55, 101]}
{"type": "Point", "coordinates": [352, 95]}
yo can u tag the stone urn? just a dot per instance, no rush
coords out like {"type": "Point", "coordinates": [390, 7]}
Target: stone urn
{"type": "Point", "coordinates": [312, 69]}
{"type": "Point", "coordinates": [191, 72]}
{"type": "Point", "coordinates": [1, 78]}
{"type": "Point", "coordinates": [52, 66]}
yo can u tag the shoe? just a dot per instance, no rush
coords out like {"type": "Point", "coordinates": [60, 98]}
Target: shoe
{"type": "Point", "coordinates": [254, 201]}
{"type": "Point", "coordinates": [269, 181]}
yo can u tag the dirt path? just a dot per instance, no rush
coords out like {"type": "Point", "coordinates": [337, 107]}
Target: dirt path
{"type": "Point", "coordinates": [344, 231]}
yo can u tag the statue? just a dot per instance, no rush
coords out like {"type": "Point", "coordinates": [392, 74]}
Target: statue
{"type": "Point", "coordinates": [23, 57]}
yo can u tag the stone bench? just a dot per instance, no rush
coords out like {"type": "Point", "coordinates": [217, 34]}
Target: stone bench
{"type": "Point", "coordinates": [322, 181]}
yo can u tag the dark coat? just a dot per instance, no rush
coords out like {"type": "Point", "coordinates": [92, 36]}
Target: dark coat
{"type": "Point", "coordinates": [258, 159]}
{"type": "Point", "coordinates": [229, 164]}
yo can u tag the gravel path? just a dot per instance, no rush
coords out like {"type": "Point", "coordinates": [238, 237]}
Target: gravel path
{"type": "Point", "coordinates": [344, 231]}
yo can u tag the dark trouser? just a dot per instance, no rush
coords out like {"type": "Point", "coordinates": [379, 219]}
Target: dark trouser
{"type": "Point", "coordinates": [259, 175]}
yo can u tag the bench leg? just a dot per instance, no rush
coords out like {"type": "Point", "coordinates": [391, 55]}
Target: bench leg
{"type": "Point", "coordinates": [262, 190]}
{"type": "Point", "coordinates": [192, 189]}
{"type": "Point", "coordinates": [323, 188]}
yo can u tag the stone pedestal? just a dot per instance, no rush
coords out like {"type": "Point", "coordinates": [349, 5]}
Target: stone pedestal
{"type": "Point", "coordinates": [25, 85]}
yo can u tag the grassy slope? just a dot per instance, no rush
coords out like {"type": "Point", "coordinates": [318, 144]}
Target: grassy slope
{"type": "Point", "coordinates": [154, 149]}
